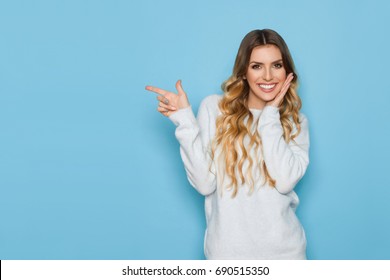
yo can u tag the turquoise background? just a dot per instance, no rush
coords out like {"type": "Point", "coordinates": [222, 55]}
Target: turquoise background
{"type": "Point", "coordinates": [90, 170]}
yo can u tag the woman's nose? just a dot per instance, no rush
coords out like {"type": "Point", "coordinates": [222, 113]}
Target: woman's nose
{"type": "Point", "coordinates": [267, 76]}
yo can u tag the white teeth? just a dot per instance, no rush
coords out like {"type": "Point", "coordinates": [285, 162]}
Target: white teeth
{"type": "Point", "coordinates": [266, 86]}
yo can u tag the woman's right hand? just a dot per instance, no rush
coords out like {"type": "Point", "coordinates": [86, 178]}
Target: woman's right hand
{"type": "Point", "coordinates": [170, 102]}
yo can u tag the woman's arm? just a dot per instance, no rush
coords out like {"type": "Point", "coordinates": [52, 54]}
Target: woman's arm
{"type": "Point", "coordinates": [192, 134]}
{"type": "Point", "coordinates": [194, 138]}
{"type": "Point", "coordinates": [286, 162]}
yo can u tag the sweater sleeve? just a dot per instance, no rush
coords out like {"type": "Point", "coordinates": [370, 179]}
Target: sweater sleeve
{"type": "Point", "coordinates": [286, 162]}
{"type": "Point", "coordinates": [194, 138]}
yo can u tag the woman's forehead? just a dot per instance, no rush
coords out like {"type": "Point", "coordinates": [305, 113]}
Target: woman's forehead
{"type": "Point", "coordinates": [266, 53]}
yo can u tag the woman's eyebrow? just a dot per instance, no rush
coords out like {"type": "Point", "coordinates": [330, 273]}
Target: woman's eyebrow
{"type": "Point", "coordinates": [276, 61]}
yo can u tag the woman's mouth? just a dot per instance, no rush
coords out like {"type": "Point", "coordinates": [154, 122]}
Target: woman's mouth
{"type": "Point", "coordinates": [267, 87]}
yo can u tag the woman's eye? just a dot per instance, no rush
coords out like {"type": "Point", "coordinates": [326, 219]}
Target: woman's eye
{"type": "Point", "coordinates": [278, 65]}
{"type": "Point", "coordinates": [255, 66]}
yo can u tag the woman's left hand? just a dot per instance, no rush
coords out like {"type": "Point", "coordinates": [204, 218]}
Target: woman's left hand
{"type": "Point", "coordinates": [277, 101]}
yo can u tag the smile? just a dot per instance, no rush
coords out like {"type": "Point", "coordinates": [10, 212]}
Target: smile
{"type": "Point", "coordinates": [267, 86]}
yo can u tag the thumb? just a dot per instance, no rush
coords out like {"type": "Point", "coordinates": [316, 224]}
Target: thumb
{"type": "Point", "coordinates": [179, 88]}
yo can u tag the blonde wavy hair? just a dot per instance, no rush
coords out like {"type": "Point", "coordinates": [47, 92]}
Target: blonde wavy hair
{"type": "Point", "coordinates": [236, 120]}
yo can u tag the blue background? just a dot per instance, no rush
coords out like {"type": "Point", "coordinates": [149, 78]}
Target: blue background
{"type": "Point", "coordinates": [90, 170]}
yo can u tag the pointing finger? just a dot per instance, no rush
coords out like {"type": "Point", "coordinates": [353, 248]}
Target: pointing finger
{"type": "Point", "coordinates": [156, 90]}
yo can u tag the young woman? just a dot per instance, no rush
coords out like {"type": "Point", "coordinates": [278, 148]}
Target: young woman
{"type": "Point", "coordinates": [246, 151]}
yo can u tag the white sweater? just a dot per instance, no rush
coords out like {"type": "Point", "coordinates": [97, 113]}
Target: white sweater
{"type": "Point", "coordinates": [261, 225]}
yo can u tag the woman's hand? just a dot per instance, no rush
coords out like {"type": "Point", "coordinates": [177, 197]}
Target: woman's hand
{"type": "Point", "coordinates": [279, 97]}
{"type": "Point", "coordinates": [169, 101]}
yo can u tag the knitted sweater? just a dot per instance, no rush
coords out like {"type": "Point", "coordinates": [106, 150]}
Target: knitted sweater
{"type": "Point", "coordinates": [257, 225]}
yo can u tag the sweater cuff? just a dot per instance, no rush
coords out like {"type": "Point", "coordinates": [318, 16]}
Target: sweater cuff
{"type": "Point", "coordinates": [269, 116]}
{"type": "Point", "coordinates": [183, 116]}
{"type": "Point", "coordinates": [271, 111]}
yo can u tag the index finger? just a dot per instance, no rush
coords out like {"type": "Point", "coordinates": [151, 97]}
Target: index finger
{"type": "Point", "coordinates": [287, 82]}
{"type": "Point", "coordinates": [156, 90]}
{"type": "Point", "coordinates": [290, 77]}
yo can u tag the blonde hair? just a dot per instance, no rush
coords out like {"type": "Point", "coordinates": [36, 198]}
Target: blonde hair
{"type": "Point", "coordinates": [236, 120]}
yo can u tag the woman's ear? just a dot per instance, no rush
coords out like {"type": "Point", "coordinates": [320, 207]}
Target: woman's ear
{"type": "Point", "coordinates": [244, 77]}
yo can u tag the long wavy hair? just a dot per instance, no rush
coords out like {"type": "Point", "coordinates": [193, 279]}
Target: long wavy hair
{"type": "Point", "coordinates": [236, 120]}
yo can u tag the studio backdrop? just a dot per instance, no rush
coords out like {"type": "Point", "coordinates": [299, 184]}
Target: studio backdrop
{"type": "Point", "coordinates": [90, 170]}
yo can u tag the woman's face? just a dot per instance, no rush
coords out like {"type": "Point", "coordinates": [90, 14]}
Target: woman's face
{"type": "Point", "coordinates": [265, 75]}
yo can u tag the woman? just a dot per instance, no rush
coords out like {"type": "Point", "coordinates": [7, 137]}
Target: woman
{"type": "Point", "coordinates": [246, 151]}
